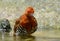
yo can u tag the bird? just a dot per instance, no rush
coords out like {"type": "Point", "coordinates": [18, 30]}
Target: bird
{"type": "Point", "coordinates": [26, 24]}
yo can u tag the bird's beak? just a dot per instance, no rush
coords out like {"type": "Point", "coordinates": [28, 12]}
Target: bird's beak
{"type": "Point", "coordinates": [32, 14]}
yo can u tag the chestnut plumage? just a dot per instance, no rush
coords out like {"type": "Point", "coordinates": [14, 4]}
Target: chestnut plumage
{"type": "Point", "coordinates": [27, 23]}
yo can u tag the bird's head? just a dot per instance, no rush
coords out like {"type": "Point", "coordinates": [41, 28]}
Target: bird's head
{"type": "Point", "coordinates": [29, 11]}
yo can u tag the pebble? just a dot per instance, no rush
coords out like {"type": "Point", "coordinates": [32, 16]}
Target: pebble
{"type": "Point", "coordinates": [5, 25]}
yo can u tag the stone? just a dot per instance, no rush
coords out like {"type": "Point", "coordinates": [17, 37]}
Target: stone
{"type": "Point", "coordinates": [5, 25]}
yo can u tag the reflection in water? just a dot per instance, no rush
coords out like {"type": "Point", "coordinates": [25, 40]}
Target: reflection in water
{"type": "Point", "coordinates": [2, 32]}
{"type": "Point", "coordinates": [36, 37]}
{"type": "Point", "coordinates": [24, 38]}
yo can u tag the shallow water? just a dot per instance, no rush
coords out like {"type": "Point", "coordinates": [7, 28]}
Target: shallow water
{"type": "Point", "coordinates": [53, 35]}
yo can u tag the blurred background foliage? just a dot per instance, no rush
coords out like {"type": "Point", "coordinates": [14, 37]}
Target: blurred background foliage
{"type": "Point", "coordinates": [47, 12]}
